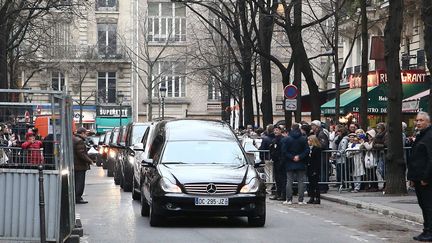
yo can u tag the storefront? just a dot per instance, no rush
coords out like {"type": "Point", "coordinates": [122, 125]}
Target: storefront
{"type": "Point", "coordinates": [88, 116]}
{"type": "Point", "coordinates": [108, 117]}
{"type": "Point", "coordinates": [413, 82]}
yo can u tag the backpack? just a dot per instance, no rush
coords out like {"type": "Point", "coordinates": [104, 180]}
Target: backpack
{"type": "Point", "coordinates": [369, 160]}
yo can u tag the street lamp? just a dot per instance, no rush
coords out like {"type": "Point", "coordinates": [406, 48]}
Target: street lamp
{"type": "Point", "coordinates": [120, 98]}
{"type": "Point", "coordinates": [162, 92]}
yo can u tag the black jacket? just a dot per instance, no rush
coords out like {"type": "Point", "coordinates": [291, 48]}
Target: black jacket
{"type": "Point", "coordinates": [265, 145]}
{"type": "Point", "coordinates": [420, 161]}
{"type": "Point", "coordinates": [276, 148]}
{"type": "Point", "coordinates": [314, 162]}
{"type": "Point", "coordinates": [293, 145]}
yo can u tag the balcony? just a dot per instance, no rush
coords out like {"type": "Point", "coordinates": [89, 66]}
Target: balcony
{"type": "Point", "coordinates": [89, 52]}
{"type": "Point", "coordinates": [111, 6]}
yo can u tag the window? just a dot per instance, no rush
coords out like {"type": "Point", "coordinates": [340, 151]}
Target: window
{"type": "Point", "coordinates": [170, 75]}
{"type": "Point", "coordinates": [166, 21]}
{"type": "Point", "coordinates": [107, 87]}
{"type": "Point", "coordinates": [57, 80]}
{"type": "Point", "coordinates": [106, 5]}
{"type": "Point", "coordinates": [107, 39]}
{"type": "Point", "coordinates": [214, 89]}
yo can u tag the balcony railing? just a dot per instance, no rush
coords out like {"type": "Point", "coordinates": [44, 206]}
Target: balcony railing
{"type": "Point", "coordinates": [88, 52]}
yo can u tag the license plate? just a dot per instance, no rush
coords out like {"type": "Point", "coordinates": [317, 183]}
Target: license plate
{"type": "Point", "coordinates": [211, 201]}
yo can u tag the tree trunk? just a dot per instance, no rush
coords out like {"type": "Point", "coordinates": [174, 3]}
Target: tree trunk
{"type": "Point", "coordinates": [80, 105]}
{"type": "Point", "coordinates": [395, 164]}
{"type": "Point", "coordinates": [336, 64]}
{"type": "Point", "coordinates": [301, 59]}
{"type": "Point", "coordinates": [3, 58]}
{"type": "Point", "coordinates": [365, 69]}
{"type": "Point", "coordinates": [427, 20]}
{"type": "Point", "coordinates": [149, 95]}
{"type": "Point", "coordinates": [266, 23]}
{"type": "Point", "coordinates": [257, 103]}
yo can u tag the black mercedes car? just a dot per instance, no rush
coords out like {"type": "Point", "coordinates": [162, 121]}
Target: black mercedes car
{"type": "Point", "coordinates": [198, 167]}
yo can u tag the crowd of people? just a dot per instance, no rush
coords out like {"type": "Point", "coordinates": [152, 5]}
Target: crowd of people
{"type": "Point", "coordinates": [30, 148]}
{"type": "Point", "coordinates": [353, 155]}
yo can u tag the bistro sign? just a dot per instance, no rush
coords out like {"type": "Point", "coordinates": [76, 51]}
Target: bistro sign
{"type": "Point", "coordinates": [378, 77]}
{"type": "Point", "coordinates": [113, 111]}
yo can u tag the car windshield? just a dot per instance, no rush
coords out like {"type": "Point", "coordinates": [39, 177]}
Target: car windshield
{"type": "Point", "coordinates": [138, 133]}
{"type": "Point", "coordinates": [115, 136]}
{"type": "Point", "coordinates": [203, 152]}
{"type": "Point", "coordinates": [107, 137]}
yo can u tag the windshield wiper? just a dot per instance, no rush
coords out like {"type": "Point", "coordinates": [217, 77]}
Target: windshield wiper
{"type": "Point", "coordinates": [173, 163]}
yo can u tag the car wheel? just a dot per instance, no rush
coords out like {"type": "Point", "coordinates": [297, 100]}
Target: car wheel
{"type": "Point", "coordinates": [135, 194]}
{"type": "Point", "coordinates": [257, 221]}
{"type": "Point", "coordinates": [155, 219]}
{"type": "Point", "coordinates": [98, 163]}
{"type": "Point", "coordinates": [117, 177]}
{"type": "Point", "coordinates": [127, 186]}
{"type": "Point", "coordinates": [110, 173]}
{"type": "Point", "coordinates": [145, 209]}
{"type": "Point", "coordinates": [104, 165]}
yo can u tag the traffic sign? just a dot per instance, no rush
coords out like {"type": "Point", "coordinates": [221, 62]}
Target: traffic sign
{"type": "Point", "coordinates": [290, 104]}
{"type": "Point", "coordinates": [290, 91]}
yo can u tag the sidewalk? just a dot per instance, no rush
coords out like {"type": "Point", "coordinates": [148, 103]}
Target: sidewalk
{"type": "Point", "coordinates": [403, 207]}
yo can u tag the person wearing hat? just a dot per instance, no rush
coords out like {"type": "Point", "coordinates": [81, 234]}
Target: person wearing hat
{"type": "Point", "coordinates": [33, 146]}
{"type": "Point", "coordinates": [82, 163]}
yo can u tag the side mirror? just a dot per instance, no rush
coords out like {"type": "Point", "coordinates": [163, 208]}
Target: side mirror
{"type": "Point", "coordinates": [147, 163]}
{"type": "Point", "coordinates": [138, 147]}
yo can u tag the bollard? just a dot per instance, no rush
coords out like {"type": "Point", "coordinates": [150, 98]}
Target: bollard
{"type": "Point", "coordinates": [42, 205]}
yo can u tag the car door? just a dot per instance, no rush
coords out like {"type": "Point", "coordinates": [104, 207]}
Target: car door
{"type": "Point", "coordinates": [151, 175]}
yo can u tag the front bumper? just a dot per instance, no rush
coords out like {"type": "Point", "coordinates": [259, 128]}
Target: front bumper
{"type": "Point", "coordinates": [179, 204]}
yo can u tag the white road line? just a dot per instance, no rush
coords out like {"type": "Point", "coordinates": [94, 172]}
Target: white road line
{"type": "Point", "coordinates": [358, 238]}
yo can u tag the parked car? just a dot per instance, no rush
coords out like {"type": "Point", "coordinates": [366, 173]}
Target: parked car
{"type": "Point", "coordinates": [112, 151]}
{"type": "Point", "coordinates": [198, 167]}
{"type": "Point", "coordinates": [141, 152]}
{"type": "Point", "coordinates": [104, 149]}
{"type": "Point", "coordinates": [118, 146]}
{"type": "Point", "coordinates": [92, 147]}
{"type": "Point", "coordinates": [130, 135]}
{"type": "Point", "coordinates": [100, 148]}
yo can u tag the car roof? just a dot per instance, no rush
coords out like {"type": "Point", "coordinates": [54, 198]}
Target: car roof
{"type": "Point", "coordinates": [197, 129]}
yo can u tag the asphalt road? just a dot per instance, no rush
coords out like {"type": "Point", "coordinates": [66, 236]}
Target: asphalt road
{"type": "Point", "coordinates": [112, 216]}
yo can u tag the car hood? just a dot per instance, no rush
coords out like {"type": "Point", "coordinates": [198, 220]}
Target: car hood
{"type": "Point", "coordinates": [185, 173]}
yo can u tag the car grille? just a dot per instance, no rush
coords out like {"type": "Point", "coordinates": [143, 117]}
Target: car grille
{"type": "Point", "coordinates": [201, 188]}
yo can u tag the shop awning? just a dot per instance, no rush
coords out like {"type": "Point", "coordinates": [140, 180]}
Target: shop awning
{"type": "Point", "coordinates": [377, 99]}
{"type": "Point", "coordinates": [416, 103]}
{"type": "Point", "coordinates": [346, 99]}
{"type": "Point", "coordinates": [107, 123]}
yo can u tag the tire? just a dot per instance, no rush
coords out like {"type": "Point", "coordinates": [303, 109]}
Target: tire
{"type": "Point", "coordinates": [154, 219]}
{"type": "Point", "coordinates": [127, 186]}
{"type": "Point", "coordinates": [259, 221]}
{"type": "Point", "coordinates": [145, 209]}
{"type": "Point", "coordinates": [110, 173]}
{"type": "Point", "coordinates": [117, 177]}
{"type": "Point", "coordinates": [135, 194]}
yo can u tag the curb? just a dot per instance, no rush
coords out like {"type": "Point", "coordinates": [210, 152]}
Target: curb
{"type": "Point", "coordinates": [398, 213]}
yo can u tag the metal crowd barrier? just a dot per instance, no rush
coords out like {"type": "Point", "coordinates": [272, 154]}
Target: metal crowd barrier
{"type": "Point", "coordinates": [352, 169]}
{"type": "Point", "coordinates": [19, 157]}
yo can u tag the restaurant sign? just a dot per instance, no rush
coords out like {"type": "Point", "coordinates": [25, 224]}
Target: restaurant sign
{"type": "Point", "coordinates": [378, 77]}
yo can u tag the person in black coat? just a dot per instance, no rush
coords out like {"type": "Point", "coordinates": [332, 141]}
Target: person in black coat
{"type": "Point", "coordinates": [295, 151]}
{"type": "Point", "coordinates": [420, 172]}
{"type": "Point", "coordinates": [314, 169]}
{"type": "Point", "coordinates": [278, 166]}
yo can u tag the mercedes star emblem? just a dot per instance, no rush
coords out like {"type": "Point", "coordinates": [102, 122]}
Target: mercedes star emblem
{"type": "Point", "coordinates": [211, 188]}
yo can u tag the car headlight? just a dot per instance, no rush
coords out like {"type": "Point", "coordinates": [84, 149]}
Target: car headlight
{"type": "Point", "coordinates": [168, 186]}
{"type": "Point", "coordinates": [106, 150]}
{"type": "Point", "coordinates": [250, 187]}
{"type": "Point", "coordinates": [101, 150]}
{"type": "Point", "coordinates": [131, 159]}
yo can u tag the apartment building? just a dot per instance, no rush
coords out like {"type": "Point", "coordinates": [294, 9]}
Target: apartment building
{"type": "Point", "coordinates": [414, 74]}
{"type": "Point", "coordinates": [87, 54]}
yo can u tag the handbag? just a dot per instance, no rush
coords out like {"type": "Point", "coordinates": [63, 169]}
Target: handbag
{"type": "Point", "coordinates": [369, 160]}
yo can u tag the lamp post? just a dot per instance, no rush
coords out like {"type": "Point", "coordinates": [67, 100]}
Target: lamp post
{"type": "Point", "coordinates": [120, 98]}
{"type": "Point", "coordinates": [162, 92]}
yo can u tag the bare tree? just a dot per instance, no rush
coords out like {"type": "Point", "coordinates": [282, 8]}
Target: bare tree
{"type": "Point", "coordinates": [395, 166]}
{"type": "Point", "coordinates": [150, 55]}
{"type": "Point", "coordinates": [365, 68]}
{"type": "Point", "coordinates": [20, 19]}
{"type": "Point", "coordinates": [427, 20]}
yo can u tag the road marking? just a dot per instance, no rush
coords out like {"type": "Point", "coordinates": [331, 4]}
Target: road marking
{"type": "Point", "coordinates": [358, 238]}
